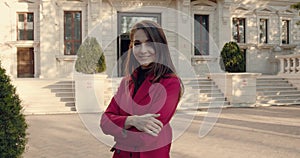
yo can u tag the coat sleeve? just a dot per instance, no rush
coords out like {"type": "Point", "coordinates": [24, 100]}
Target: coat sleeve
{"type": "Point", "coordinates": [164, 103]}
{"type": "Point", "coordinates": [112, 122]}
{"type": "Point", "coordinates": [169, 101]}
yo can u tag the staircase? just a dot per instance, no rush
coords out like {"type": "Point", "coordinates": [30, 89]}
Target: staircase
{"type": "Point", "coordinates": [201, 93]}
{"type": "Point", "coordinates": [198, 93]}
{"type": "Point", "coordinates": [45, 96]}
{"type": "Point", "coordinates": [65, 91]}
{"type": "Point", "coordinates": [272, 90]}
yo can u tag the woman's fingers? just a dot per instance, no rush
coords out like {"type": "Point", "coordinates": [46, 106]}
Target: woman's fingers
{"type": "Point", "coordinates": [153, 127]}
{"type": "Point", "coordinates": [148, 123]}
{"type": "Point", "coordinates": [156, 121]}
{"type": "Point", "coordinates": [151, 132]}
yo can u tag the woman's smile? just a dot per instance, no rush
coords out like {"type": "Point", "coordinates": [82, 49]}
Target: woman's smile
{"type": "Point", "coordinates": [143, 49]}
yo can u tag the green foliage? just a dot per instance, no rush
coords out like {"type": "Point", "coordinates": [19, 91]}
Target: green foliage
{"type": "Point", "coordinates": [232, 58]}
{"type": "Point", "coordinates": [90, 57]}
{"type": "Point", "coordinates": [297, 7]}
{"type": "Point", "coordinates": [101, 64]}
{"type": "Point", "coordinates": [12, 121]}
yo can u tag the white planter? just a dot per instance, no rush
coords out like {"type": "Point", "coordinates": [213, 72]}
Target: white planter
{"type": "Point", "coordinates": [238, 88]}
{"type": "Point", "coordinates": [89, 92]}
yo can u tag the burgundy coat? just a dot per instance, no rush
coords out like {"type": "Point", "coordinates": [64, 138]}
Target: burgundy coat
{"type": "Point", "coordinates": [160, 98]}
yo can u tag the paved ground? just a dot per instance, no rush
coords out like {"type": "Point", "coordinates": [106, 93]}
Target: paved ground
{"type": "Point", "coordinates": [265, 132]}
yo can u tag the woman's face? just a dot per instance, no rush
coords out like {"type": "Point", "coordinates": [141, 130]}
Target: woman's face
{"type": "Point", "coordinates": [143, 49]}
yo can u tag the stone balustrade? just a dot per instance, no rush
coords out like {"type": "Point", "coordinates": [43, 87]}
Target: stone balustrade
{"type": "Point", "coordinates": [289, 64]}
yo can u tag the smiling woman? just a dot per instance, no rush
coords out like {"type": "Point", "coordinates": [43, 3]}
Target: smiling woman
{"type": "Point", "coordinates": [138, 115]}
{"type": "Point", "coordinates": [143, 49]}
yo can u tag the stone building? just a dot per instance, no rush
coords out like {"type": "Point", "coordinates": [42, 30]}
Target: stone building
{"type": "Point", "coordinates": [40, 38]}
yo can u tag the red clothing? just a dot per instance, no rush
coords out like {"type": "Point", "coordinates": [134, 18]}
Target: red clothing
{"type": "Point", "coordinates": [160, 98]}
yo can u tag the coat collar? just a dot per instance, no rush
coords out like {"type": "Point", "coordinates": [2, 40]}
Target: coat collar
{"type": "Point", "coordinates": [144, 89]}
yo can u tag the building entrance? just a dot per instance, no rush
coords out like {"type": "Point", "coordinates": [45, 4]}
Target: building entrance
{"type": "Point", "coordinates": [125, 22]}
{"type": "Point", "coordinates": [25, 58]}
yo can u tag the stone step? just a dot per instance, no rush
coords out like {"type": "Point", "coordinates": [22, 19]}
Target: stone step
{"type": "Point", "coordinates": [196, 106]}
{"type": "Point", "coordinates": [274, 84]}
{"type": "Point", "coordinates": [65, 94]}
{"type": "Point", "coordinates": [272, 81]}
{"type": "Point", "coordinates": [265, 89]}
{"type": "Point", "coordinates": [278, 104]}
{"type": "Point", "coordinates": [263, 78]}
{"type": "Point", "coordinates": [67, 99]}
{"type": "Point", "coordinates": [275, 102]}
{"type": "Point", "coordinates": [198, 82]}
{"type": "Point", "coordinates": [63, 86]}
{"type": "Point", "coordinates": [282, 92]}
{"type": "Point", "coordinates": [280, 101]}
{"type": "Point", "coordinates": [54, 90]}
{"type": "Point", "coordinates": [70, 103]}
{"type": "Point", "coordinates": [210, 91]}
{"type": "Point", "coordinates": [203, 100]}
{"type": "Point", "coordinates": [293, 96]}
{"type": "Point", "coordinates": [209, 94]}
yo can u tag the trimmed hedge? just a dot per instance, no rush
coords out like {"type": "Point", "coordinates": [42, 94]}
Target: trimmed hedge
{"type": "Point", "coordinates": [12, 121]}
{"type": "Point", "coordinates": [90, 57]}
{"type": "Point", "coordinates": [233, 60]}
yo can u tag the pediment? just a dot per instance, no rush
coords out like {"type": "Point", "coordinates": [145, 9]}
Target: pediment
{"type": "Point", "coordinates": [241, 7]}
{"type": "Point", "coordinates": [266, 10]}
{"type": "Point", "coordinates": [287, 11]}
{"type": "Point", "coordinates": [139, 2]}
{"type": "Point", "coordinates": [203, 3]}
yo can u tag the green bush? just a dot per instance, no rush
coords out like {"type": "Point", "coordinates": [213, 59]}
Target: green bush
{"type": "Point", "coordinates": [90, 57]}
{"type": "Point", "coordinates": [297, 7]}
{"type": "Point", "coordinates": [233, 60]}
{"type": "Point", "coordinates": [12, 122]}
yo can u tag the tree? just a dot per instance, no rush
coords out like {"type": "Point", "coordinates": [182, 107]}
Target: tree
{"type": "Point", "coordinates": [90, 57]}
{"type": "Point", "coordinates": [12, 122]}
{"type": "Point", "coordinates": [297, 7]}
{"type": "Point", "coordinates": [232, 58]}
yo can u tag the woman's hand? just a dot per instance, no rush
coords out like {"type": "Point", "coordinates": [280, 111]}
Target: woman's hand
{"type": "Point", "coordinates": [145, 123]}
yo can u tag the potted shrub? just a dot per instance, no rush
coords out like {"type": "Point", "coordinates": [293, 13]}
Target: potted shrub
{"type": "Point", "coordinates": [90, 77]}
{"type": "Point", "coordinates": [233, 59]}
{"type": "Point", "coordinates": [239, 88]}
{"type": "Point", "coordinates": [12, 122]}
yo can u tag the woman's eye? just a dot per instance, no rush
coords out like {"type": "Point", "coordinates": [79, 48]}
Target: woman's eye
{"type": "Point", "coordinates": [137, 43]}
{"type": "Point", "coordinates": [150, 44]}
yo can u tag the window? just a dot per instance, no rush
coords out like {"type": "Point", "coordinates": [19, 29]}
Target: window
{"type": "Point", "coordinates": [25, 26]}
{"type": "Point", "coordinates": [201, 35]}
{"type": "Point", "coordinates": [285, 34]}
{"type": "Point", "coordinates": [72, 32]}
{"type": "Point", "coordinates": [263, 31]}
{"type": "Point", "coordinates": [239, 30]}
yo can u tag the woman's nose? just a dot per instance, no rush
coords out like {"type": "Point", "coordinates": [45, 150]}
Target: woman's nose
{"type": "Point", "coordinates": [143, 48]}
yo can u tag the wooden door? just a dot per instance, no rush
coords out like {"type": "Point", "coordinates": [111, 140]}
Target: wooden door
{"type": "Point", "coordinates": [25, 59]}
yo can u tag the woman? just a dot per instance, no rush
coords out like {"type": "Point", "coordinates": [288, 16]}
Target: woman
{"type": "Point", "coordinates": [138, 115]}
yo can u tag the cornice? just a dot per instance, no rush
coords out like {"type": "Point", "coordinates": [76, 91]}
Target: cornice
{"type": "Point", "coordinates": [138, 3]}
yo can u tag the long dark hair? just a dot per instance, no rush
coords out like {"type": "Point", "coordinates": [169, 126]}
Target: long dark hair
{"type": "Point", "coordinates": [163, 64]}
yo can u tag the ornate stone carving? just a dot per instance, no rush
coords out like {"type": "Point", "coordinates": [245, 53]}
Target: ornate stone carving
{"type": "Point", "coordinates": [134, 3]}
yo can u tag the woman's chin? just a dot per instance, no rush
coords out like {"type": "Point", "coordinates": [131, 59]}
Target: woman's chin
{"type": "Point", "coordinates": [145, 65]}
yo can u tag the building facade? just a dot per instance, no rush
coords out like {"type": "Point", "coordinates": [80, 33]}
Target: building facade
{"type": "Point", "coordinates": [40, 38]}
